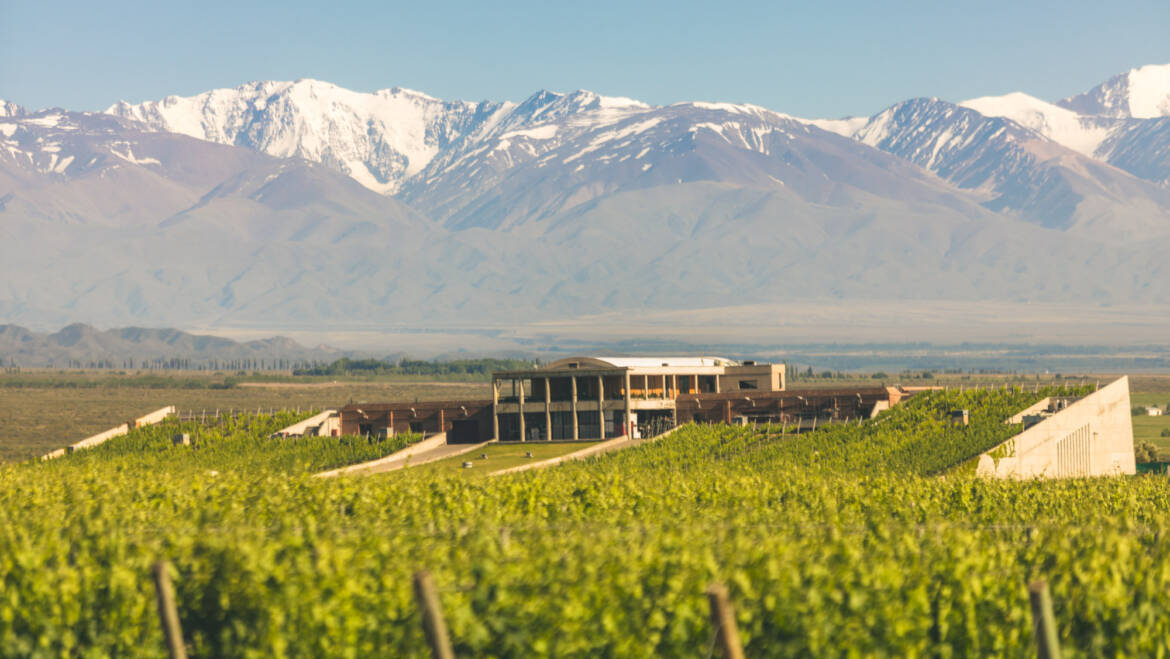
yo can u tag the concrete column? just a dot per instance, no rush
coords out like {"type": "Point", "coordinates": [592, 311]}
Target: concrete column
{"type": "Point", "coordinates": [645, 385]}
{"type": "Point", "coordinates": [576, 431]}
{"type": "Point", "coordinates": [495, 409]}
{"type": "Point", "coordinates": [391, 419]}
{"type": "Point", "coordinates": [548, 408]}
{"type": "Point", "coordinates": [629, 433]}
{"type": "Point", "coordinates": [442, 420]}
{"type": "Point", "coordinates": [717, 386]}
{"type": "Point", "coordinates": [601, 405]}
{"type": "Point", "coordinates": [674, 386]}
{"type": "Point", "coordinates": [523, 434]}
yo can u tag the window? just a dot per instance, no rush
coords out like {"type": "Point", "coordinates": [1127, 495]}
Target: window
{"type": "Point", "coordinates": [748, 384]}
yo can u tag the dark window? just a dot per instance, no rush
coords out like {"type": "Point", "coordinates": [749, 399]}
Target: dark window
{"type": "Point", "coordinates": [748, 384]}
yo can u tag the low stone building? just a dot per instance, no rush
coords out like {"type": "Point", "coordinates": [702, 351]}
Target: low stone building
{"type": "Point", "coordinates": [464, 421]}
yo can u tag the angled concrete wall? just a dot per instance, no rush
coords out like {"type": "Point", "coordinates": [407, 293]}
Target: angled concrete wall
{"type": "Point", "coordinates": [102, 437]}
{"type": "Point", "coordinates": [1091, 437]}
{"type": "Point", "coordinates": [320, 425]}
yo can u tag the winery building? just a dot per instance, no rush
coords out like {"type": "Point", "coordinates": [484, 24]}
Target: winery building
{"type": "Point", "coordinates": [592, 398]}
{"type": "Point", "coordinates": [603, 397]}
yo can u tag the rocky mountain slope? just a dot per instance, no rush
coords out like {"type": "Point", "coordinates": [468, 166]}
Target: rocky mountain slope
{"type": "Point", "coordinates": [1021, 171]}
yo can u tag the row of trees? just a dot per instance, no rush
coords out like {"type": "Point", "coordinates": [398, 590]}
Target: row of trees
{"type": "Point", "coordinates": [182, 364]}
{"type": "Point", "coordinates": [468, 367]}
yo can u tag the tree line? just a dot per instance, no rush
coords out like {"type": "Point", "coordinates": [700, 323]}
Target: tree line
{"type": "Point", "coordinates": [470, 367]}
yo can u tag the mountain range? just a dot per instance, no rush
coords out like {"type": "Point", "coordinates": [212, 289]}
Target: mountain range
{"type": "Point", "coordinates": [302, 204]}
{"type": "Point", "coordinates": [138, 347]}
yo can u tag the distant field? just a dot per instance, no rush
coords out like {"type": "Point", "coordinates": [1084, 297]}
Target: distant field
{"type": "Point", "coordinates": [44, 410]}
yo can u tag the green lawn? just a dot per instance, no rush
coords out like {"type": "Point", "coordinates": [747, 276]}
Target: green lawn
{"type": "Point", "coordinates": [1146, 398]}
{"type": "Point", "coordinates": [500, 456]}
{"type": "Point", "coordinates": [1149, 429]}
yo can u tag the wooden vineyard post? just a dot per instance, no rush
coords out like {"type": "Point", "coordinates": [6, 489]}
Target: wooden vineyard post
{"type": "Point", "coordinates": [434, 624]}
{"type": "Point", "coordinates": [723, 619]}
{"type": "Point", "coordinates": [168, 612]}
{"type": "Point", "coordinates": [1043, 621]}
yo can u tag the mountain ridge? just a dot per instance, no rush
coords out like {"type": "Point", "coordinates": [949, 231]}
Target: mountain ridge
{"type": "Point", "coordinates": [558, 206]}
{"type": "Point", "coordinates": [82, 343]}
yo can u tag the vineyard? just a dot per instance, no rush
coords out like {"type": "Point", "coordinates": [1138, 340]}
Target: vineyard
{"type": "Point", "coordinates": [857, 539]}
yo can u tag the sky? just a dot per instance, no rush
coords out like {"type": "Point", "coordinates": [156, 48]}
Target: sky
{"type": "Point", "coordinates": [810, 59]}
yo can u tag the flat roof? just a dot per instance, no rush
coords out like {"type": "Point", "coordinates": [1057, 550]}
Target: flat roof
{"type": "Point", "coordinates": [641, 362]}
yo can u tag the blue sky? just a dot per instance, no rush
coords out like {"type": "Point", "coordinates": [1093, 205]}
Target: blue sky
{"type": "Point", "coordinates": [809, 59]}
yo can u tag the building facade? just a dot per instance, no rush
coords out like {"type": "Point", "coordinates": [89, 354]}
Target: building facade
{"type": "Point", "coordinates": [605, 397]}
{"type": "Point", "coordinates": [464, 421]}
{"type": "Point", "coordinates": [595, 398]}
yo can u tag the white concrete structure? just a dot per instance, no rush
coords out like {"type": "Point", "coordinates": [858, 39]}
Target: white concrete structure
{"type": "Point", "coordinates": [1064, 438]}
{"type": "Point", "coordinates": [1154, 411]}
{"type": "Point", "coordinates": [102, 437]}
{"type": "Point", "coordinates": [325, 424]}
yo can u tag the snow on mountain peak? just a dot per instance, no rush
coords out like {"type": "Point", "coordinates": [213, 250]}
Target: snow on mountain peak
{"type": "Point", "coordinates": [1141, 93]}
{"type": "Point", "coordinates": [846, 127]}
{"type": "Point", "coordinates": [1149, 91]}
{"type": "Point", "coordinates": [1061, 125]}
{"type": "Point", "coordinates": [10, 109]}
{"type": "Point", "coordinates": [378, 139]}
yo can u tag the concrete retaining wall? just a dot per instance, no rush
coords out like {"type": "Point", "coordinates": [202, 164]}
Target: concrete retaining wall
{"type": "Point", "coordinates": [317, 422]}
{"type": "Point", "coordinates": [1091, 437]}
{"type": "Point", "coordinates": [608, 446]}
{"type": "Point", "coordinates": [430, 443]}
{"type": "Point", "coordinates": [117, 431]}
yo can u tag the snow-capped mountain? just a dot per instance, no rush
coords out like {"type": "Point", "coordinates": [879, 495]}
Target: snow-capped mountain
{"type": "Point", "coordinates": [10, 109]}
{"type": "Point", "coordinates": [1142, 93]}
{"type": "Point", "coordinates": [1020, 170]}
{"type": "Point", "coordinates": [1122, 122]}
{"type": "Point", "coordinates": [527, 175]}
{"type": "Point", "coordinates": [378, 139]}
{"type": "Point", "coordinates": [281, 203]}
{"type": "Point", "coordinates": [1081, 133]}
{"type": "Point", "coordinates": [398, 141]}
{"type": "Point", "coordinates": [543, 122]}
